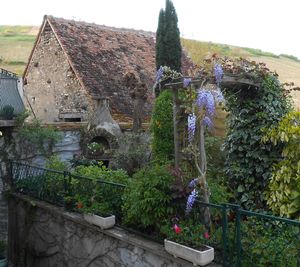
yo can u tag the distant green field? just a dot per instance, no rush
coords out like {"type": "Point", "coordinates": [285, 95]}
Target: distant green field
{"type": "Point", "coordinates": [16, 43]}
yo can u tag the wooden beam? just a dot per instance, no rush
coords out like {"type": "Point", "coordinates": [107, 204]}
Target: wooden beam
{"type": "Point", "coordinates": [7, 123]}
{"type": "Point", "coordinates": [227, 81]}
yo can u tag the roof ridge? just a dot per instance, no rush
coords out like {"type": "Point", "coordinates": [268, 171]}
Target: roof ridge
{"type": "Point", "coordinates": [102, 26]}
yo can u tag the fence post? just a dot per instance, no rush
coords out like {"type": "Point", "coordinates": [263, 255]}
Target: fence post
{"type": "Point", "coordinates": [225, 235]}
{"type": "Point", "coordinates": [66, 187]}
{"type": "Point", "coordinates": [238, 237]}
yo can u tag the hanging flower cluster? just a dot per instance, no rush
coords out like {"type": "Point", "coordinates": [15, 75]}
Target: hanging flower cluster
{"type": "Point", "coordinates": [218, 73]}
{"type": "Point", "coordinates": [186, 82]}
{"type": "Point", "coordinates": [190, 202]}
{"type": "Point", "coordinates": [191, 126]}
{"type": "Point", "coordinates": [206, 101]}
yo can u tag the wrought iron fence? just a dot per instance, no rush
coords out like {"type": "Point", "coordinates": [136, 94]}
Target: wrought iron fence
{"type": "Point", "coordinates": [68, 190]}
{"type": "Point", "coordinates": [239, 237]}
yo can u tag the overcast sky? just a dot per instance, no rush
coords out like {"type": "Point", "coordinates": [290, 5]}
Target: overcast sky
{"type": "Point", "coordinates": [272, 26]}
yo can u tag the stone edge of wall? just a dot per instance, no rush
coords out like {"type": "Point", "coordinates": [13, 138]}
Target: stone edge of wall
{"type": "Point", "coordinates": [115, 232]}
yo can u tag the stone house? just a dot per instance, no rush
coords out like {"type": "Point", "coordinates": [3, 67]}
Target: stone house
{"type": "Point", "coordinates": [76, 71]}
{"type": "Point", "coordinates": [74, 63]}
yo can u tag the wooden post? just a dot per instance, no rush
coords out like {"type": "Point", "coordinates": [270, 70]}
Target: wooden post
{"type": "Point", "coordinates": [203, 167]}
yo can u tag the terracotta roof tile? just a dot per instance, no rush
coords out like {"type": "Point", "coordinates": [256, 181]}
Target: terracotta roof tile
{"type": "Point", "coordinates": [101, 56]}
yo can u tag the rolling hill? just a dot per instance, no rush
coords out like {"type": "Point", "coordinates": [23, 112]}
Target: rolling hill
{"type": "Point", "coordinates": [16, 43]}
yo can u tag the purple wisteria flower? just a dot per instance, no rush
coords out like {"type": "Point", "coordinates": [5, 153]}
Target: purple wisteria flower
{"type": "Point", "coordinates": [205, 99]}
{"type": "Point", "coordinates": [187, 82]}
{"type": "Point", "coordinates": [190, 202]}
{"type": "Point", "coordinates": [207, 122]}
{"type": "Point", "coordinates": [193, 183]}
{"type": "Point", "coordinates": [159, 74]}
{"type": "Point", "coordinates": [191, 126]}
{"type": "Point", "coordinates": [219, 96]}
{"type": "Point", "coordinates": [218, 73]}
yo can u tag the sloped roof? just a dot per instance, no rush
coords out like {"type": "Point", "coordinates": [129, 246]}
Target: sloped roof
{"type": "Point", "coordinates": [9, 93]}
{"type": "Point", "coordinates": [100, 56]}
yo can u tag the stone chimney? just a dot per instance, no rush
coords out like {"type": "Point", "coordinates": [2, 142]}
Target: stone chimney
{"type": "Point", "coordinates": [102, 119]}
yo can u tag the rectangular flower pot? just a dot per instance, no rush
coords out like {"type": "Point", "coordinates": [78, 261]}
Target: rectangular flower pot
{"type": "Point", "coordinates": [197, 257]}
{"type": "Point", "coordinates": [103, 222]}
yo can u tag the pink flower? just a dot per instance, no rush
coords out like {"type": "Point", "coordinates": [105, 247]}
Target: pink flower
{"type": "Point", "coordinates": [206, 235]}
{"type": "Point", "coordinates": [177, 229]}
{"type": "Point", "coordinates": [79, 205]}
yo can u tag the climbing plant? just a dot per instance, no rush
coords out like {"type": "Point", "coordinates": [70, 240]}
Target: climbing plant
{"type": "Point", "coordinates": [162, 128]}
{"type": "Point", "coordinates": [257, 101]}
{"type": "Point", "coordinates": [283, 191]}
{"type": "Point", "coordinates": [27, 139]}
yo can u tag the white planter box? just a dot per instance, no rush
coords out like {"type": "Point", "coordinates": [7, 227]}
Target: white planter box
{"type": "Point", "coordinates": [197, 257]}
{"type": "Point", "coordinates": [103, 222]}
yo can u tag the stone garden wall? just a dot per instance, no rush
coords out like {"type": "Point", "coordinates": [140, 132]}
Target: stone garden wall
{"type": "Point", "coordinates": [43, 235]}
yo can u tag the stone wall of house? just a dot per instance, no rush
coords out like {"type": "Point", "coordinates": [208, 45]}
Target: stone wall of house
{"type": "Point", "coordinates": [51, 87]}
{"type": "Point", "coordinates": [43, 235]}
{"type": "Point", "coordinates": [65, 149]}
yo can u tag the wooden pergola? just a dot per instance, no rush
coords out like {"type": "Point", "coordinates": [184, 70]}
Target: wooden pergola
{"type": "Point", "coordinates": [228, 81]}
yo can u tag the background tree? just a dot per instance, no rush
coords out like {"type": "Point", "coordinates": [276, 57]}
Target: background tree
{"type": "Point", "coordinates": [159, 47]}
{"type": "Point", "coordinates": [168, 46]}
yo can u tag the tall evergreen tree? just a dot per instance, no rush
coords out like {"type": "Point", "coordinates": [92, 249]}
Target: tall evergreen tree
{"type": "Point", "coordinates": [168, 47]}
{"type": "Point", "coordinates": [159, 47]}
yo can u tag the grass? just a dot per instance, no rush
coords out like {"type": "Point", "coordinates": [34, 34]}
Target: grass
{"type": "Point", "coordinates": [16, 43]}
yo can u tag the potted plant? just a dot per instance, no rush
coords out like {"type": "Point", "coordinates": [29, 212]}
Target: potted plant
{"type": "Point", "coordinates": [3, 260]}
{"type": "Point", "coordinates": [7, 112]}
{"type": "Point", "coordinates": [96, 149]}
{"type": "Point", "coordinates": [94, 212]}
{"type": "Point", "coordinates": [187, 241]}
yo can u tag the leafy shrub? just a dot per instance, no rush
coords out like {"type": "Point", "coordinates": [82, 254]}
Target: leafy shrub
{"type": "Point", "coordinates": [162, 128]}
{"type": "Point", "coordinates": [54, 163]}
{"type": "Point", "coordinates": [267, 243]}
{"type": "Point", "coordinates": [219, 192]}
{"type": "Point", "coordinates": [102, 173]}
{"type": "Point", "coordinates": [290, 57]}
{"type": "Point", "coordinates": [94, 196]}
{"type": "Point", "coordinates": [283, 192]}
{"type": "Point", "coordinates": [147, 199]}
{"type": "Point", "coordinates": [133, 154]}
{"type": "Point", "coordinates": [248, 162]}
{"type": "Point", "coordinates": [33, 137]}
{"type": "Point", "coordinates": [7, 112]}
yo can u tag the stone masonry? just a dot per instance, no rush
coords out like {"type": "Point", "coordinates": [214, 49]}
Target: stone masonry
{"type": "Point", "coordinates": [51, 87]}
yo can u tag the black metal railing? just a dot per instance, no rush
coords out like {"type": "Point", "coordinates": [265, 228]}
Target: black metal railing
{"type": "Point", "coordinates": [239, 237]}
{"type": "Point", "coordinates": [69, 190]}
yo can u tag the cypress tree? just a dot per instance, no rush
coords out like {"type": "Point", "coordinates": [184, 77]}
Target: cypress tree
{"type": "Point", "coordinates": [168, 47]}
{"type": "Point", "coordinates": [159, 47]}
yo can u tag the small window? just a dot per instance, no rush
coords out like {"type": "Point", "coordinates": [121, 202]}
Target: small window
{"type": "Point", "coordinates": [70, 116]}
{"type": "Point", "coordinates": [72, 119]}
